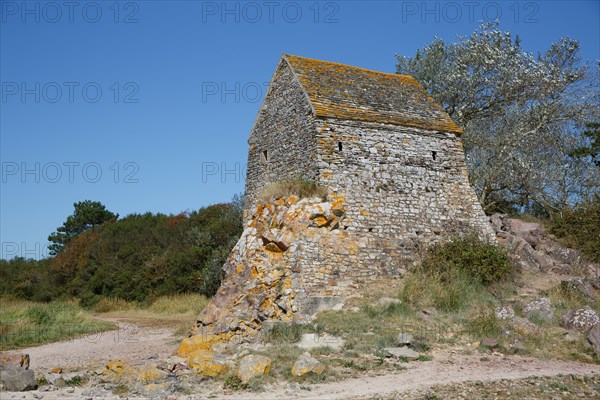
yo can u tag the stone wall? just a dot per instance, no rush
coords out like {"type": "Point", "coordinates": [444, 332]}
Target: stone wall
{"type": "Point", "coordinates": [284, 129]}
{"type": "Point", "coordinates": [401, 184]}
{"type": "Point", "coordinates": [403, 188]}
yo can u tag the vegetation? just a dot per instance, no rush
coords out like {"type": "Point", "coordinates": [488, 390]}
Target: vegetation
{"type": "Point", "coordinates": [579, 228]}
{"type": "Point", "coordinates": [524, 117]}
{"type": "Point", "coordinates": [87, 215]}
{"type": "Point", "coordinates": [24, 323]}
{"type": "Point", "coordinates": [297, 187]}
{"type": "Point", "coordinates": [454, 275]}
{"type": "Point", "coordinates": [135, 259]}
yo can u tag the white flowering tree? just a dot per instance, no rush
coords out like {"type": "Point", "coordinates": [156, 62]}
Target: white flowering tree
{"type": "Point", "coordinates": [523, 116]}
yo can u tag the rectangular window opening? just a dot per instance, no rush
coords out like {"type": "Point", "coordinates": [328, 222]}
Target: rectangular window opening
{"type": "Point", "coordinates": [433, 155]}
{"type": "Point", "coordinates": [339, 146]}
{"type": "Point", "coordinates": [265, 156]}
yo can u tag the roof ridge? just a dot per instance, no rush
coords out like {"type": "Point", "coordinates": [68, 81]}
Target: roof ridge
{"type": "Point", "coordinates": [285, 56]}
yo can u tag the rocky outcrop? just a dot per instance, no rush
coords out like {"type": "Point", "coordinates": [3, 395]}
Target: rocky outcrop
{"type": "Point", "coordinates": [531, 247]}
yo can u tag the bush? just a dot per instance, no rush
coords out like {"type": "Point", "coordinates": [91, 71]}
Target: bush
{"type": "Point", "coordinates": [580, 229]}
{"type": "Point", "coordinates": [454, 275]}
{"type": "Point", "coordinates": [483, 262]}
{"type": "Point", "coordinates": [298, 187]}
{"type": "Point", "coordinates": [132, 260]}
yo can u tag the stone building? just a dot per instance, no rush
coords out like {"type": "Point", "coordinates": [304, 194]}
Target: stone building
{"type": "Point", "coordinates": [378, 140]}
{"type": "Point", "coordinates": [392, 162]}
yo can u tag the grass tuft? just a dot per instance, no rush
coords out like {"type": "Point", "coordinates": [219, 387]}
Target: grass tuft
{"type": "Point", "coordinates": [297, 187]}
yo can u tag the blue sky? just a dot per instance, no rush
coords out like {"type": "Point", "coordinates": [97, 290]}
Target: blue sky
{"type": "Point", "coordinates": [147, 105]}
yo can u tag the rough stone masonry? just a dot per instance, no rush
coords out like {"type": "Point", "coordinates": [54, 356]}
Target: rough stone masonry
{"type": "Point", "coordinates": [380, 142]}
{"type": "Point", "coordinates": [393, 165]}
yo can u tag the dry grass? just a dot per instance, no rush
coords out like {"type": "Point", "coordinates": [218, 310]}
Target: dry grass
{"type": "Point", "coordinates": [297, 187]}
{"type": "Point", "coordinates": [25, 323]}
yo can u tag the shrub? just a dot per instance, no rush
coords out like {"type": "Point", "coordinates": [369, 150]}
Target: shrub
{"type": "Point", "coordinates": [298, 187]}
{"type": "Point", "coordinates": [281, 333]}
{"type": "Point", "coordinates": [483, 323]}
{"type": "Point", "coordinates": [580, 229]}
{"type": "Point", "coordinates": [478, 260]}
{"type": "Point", "coordinates": [455, 274]}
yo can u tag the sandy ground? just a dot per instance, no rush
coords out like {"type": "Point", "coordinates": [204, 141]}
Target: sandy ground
{"type": "Point", "coordinates": [137, 343]}
{"type": "Point", "coordinates": [133, 341]}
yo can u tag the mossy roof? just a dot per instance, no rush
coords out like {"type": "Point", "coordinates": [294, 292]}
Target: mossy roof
{"type": "Point", "coordinates": [352, 93]}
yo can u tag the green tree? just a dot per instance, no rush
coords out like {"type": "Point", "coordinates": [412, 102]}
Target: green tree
{"type": "Point", "coordinates": [593, 148]}
{"type": "Point", "coordinates": [87, 214]}
{"type": "Point", "coordinates": [523, 116]}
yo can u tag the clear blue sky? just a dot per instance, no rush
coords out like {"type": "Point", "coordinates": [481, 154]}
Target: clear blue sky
{"type": "Point", "coordinates": [142, 104]}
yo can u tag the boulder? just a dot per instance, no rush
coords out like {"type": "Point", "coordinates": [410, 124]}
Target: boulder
{"type": "Point", "coordinates": [405, 339]}
{"type": "Point", "coordinates": [593, 337]}
{"type": "Point", "coordinates": [540, 308]}
{"type": "Point", "coordinates": [582, 319]}
{"type": "Point", "coordinates": [523, 326]}
{"type": "Point", "coordinates": [306, 364]}
{"type": "Point", "coordinates": [18, 379]}
{"type": "Point", "coordinates": [504, 313]}
{"type": "Point", "coordinates": [252, 366]}
{"type": "Point", "coordinates": [401, 352]}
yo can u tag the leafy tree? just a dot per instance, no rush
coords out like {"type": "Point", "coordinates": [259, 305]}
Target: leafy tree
{"type": "Point", "coordinates": [593, 148]}
{"type": "Point", "coordinates": [87, 214]}
{"type": "Point", "coordinates": [523, 116]}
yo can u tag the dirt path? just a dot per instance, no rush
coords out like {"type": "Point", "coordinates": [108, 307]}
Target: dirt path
{"type": "Point", "coordinates": [137, 343]}
{"type": "Point", "coordinates": [133, 340]}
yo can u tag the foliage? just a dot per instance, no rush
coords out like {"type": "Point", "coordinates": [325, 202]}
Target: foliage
{"type": "Point", "coordinates": [298, 187]}
{"type": "Point", "coordinates": [579, 228]}
{"type": "Point", "coordinates": [483, 262]}
{"type": "Point", "coordinates": [24, 323]}
{"type": "Point", "coordinates": [523, 116]}
{"type": "Point", "coordinates": [135, 259]}
{"type": "Point", "coordinates": [454, 275]}
{"type": "Point", "coordinates": [28, 279]}
{"type": "Point", "coordinates": [87, 214]}
{"type": "Point", "coordinates": [483, 323]}
{"type": "Point", "coordinates": [593, 148]}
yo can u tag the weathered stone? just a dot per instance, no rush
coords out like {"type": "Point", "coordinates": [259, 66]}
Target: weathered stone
{"type": "Point", "coordinates": [314, 340]}
{"type": "Point", "coordinates": [540, 308]}
{"type": "Point", "coordinates": [306, 364]}
{"type": "Point", "coordinates": [204, 363]}
{"type": "Point", "coordinates": [401, 352]}
{"type": "Point", "coordinates": [581, 319]}
{"type": "Point", "coordinates": [14, 361]}
{"type": "Point", "coordinates": [405, 339]}
{"type": "Point", "coordinates": [489, 343]}
{"type": "Point", "coordinates": [18, 379]}
{"type": "Point", "coordinates": [523, 326]}
{"type": "Point", "coordinates": [593, 337]}
{"type": "Point", "coordinates": [252, 366]}
{"type": "Point", "coordinates": [582, 286]}
{"type": "Point", "coordinates": [504, 312]}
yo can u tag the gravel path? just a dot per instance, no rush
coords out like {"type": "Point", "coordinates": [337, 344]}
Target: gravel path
{"type": "Point", "coordinates": [139, 343]}
{"type": "Point", "coordinates": [131, 341]}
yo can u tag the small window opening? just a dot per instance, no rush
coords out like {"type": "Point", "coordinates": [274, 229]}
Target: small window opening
{"type": "Point", "coordinates": [433, 155]}
{"type": "Point", "coordinates": [370, 229]}
{"type": "Point", "coordinates": [340, 146]}
{"type": "Point", "coordinates": [265, 156]}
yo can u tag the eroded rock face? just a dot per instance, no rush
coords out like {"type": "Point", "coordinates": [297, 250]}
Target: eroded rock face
{"type": "Point", "coordinates": [531, 247]}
